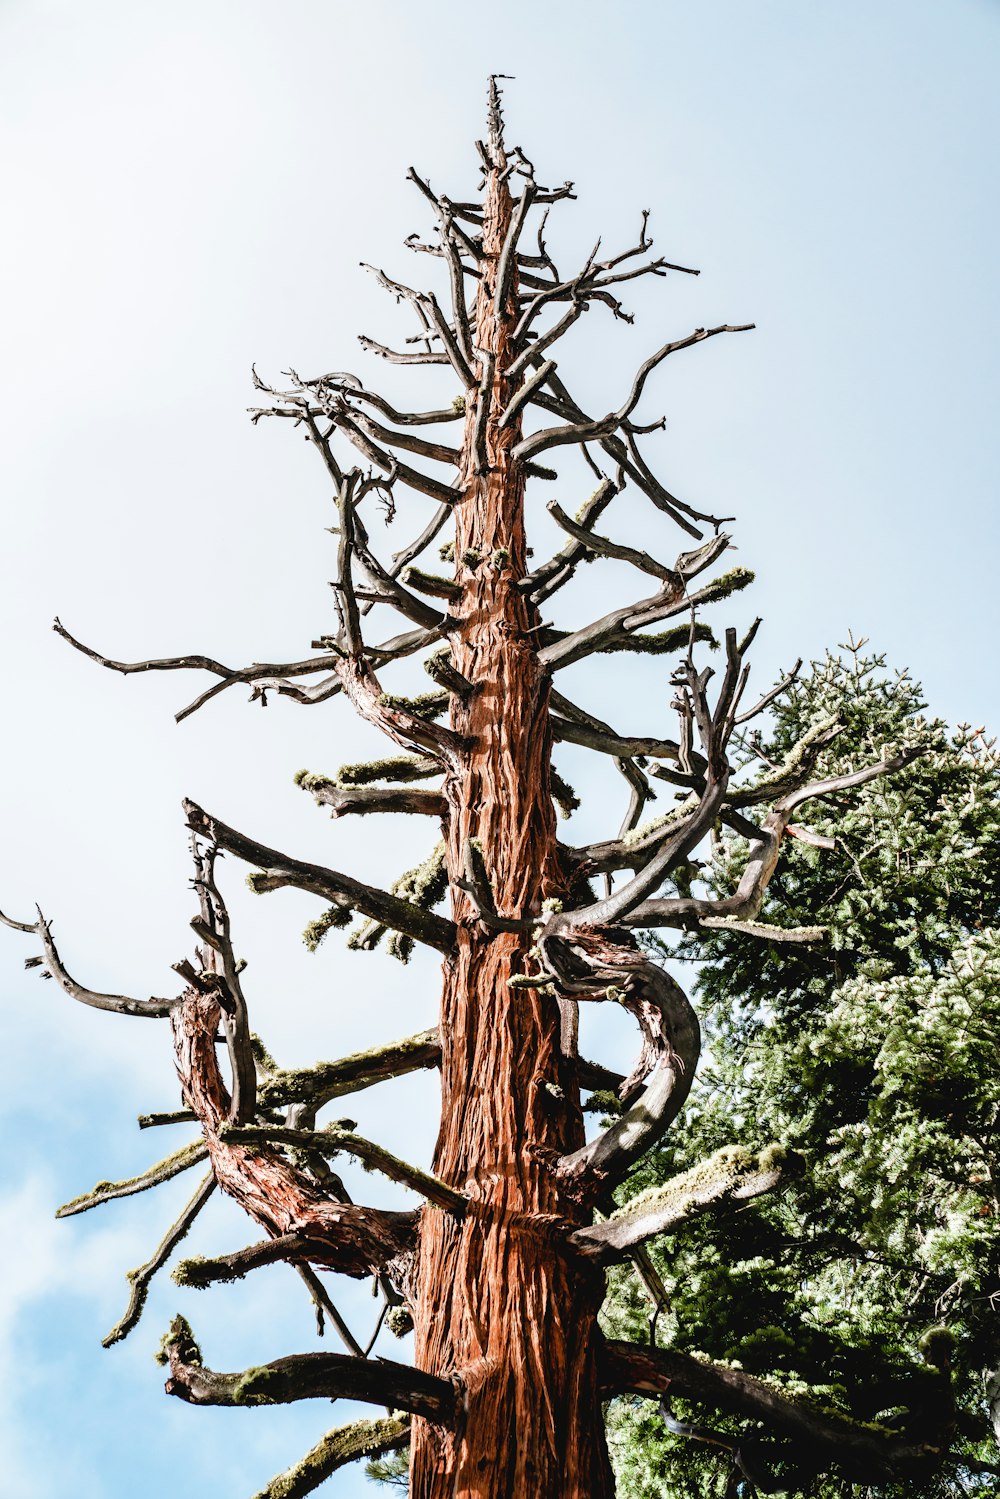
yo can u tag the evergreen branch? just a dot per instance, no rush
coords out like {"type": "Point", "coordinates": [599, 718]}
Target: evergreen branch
{"type": "Point", "coordinates": [820, 1439]}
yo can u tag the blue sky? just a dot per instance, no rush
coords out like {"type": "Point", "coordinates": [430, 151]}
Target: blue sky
{"type": "Point", "coordinates": [189, 188]}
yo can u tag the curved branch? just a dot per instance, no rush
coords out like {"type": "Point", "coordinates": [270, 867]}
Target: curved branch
{"type": "Point", "coordinates": [283, 1198]}
{"type": "Point", "coordinates": [822, 1438]}
{"type": "Point", "coordinates": [342, 1445]}
{"type": "Point", "coordinates": [589, 431]}
{"type": "Point", "coordinates": [594, 965]}
{"type": "Point", "coordinates": [279, 871]}
{"type": "Point", "coordinates": [139, 1279]}
{"type": "Point", "coordinates": [308, 1376]}
{"type": "Point", "coordinates": [731, 1174]}
{"type": "Point", "coordinates": [117, 1004]}
{"type": "Point", "coordinates": [163, 1171]}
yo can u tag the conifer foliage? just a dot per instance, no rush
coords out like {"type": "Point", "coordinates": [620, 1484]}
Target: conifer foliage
{"type": "Point", "coordinates": [874, 1057]}
{"type": "Point", "coordinates": [501, 1266]}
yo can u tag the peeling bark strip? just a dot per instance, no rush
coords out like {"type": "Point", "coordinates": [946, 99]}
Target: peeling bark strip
{"type": "Point", "coordinates": [501, 1270]}
{"type": "Point", "coordinates": [281, 1198]}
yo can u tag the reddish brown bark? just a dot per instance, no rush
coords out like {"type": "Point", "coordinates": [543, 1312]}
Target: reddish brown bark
{"type": "Point", "coordinates": [497, 1304]}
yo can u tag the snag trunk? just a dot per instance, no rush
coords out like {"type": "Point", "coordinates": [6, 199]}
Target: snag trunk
{"type": "Point", "coordinates": [497, 1302]}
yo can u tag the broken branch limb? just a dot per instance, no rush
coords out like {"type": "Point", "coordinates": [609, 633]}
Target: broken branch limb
{"type": "Point", "coordinates": [139, 1279]}
{"type": "Point", "coordinates": [732, 1174]}
{"type": "Point", "coordinates": [342, 1445]}
{"type": "Point", "coordinates": [868, 1454]}
{"type": "Point", "coordinates": [172, 1165]}
{"type": "Point", "coordinates": [342, 800]}
{"type": "Point", "coordinates": [279, 871]}
{"type": "Point", "coordinates": [308, 1376]}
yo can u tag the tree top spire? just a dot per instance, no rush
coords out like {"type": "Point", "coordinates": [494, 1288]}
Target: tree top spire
{"type": "Point", "coordinates": [494, 117]}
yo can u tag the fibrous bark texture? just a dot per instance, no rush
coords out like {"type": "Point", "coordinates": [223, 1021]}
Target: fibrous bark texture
{"type": "Point", "coordinates": [495, 1305]}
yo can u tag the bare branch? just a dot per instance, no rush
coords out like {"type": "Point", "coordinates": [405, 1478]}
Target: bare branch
{"type": "Point", "coordinates": [601, 546]}
{"type": "Point", "coordinates": [391, 356]}
{"type": "Point", "coordinates": [731, 1174]}
{"type": "Point", "coordinates": [550, 437]}
{"type": "Point", "coordinates": [326, 1307]}
{"type": "Point", "coordinates": [342, 1445]}
{"type": "Point", "coordinates": [551, 575]}
{"type": "Point", "coordinates": [118, 1004]}
{"type": "Point", "coordinates": [140, 1278]}
{"type": "Point", "coordinates": [172, 1165]}
{"type": "Point", "coordinates": [279, 871]}
{"type": "Point", "coordinates": [762, 859]}
{"type": "Point", "coordinates": [333, 1142]}
{"type": "Point", "coordinates": [308, 1376]}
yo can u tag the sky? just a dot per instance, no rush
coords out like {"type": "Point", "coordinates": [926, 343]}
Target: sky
{"type": "Point", "coordinates": [190, 189]}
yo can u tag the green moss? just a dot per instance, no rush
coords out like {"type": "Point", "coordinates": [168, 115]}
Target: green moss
{"type": "Point", "coordinates": [333, 918]}
{"type": "Point", "coordinates": [447, 551]}
{"type": "Point", "coordinates": [662, 644]}
{"type": "Point", "coordinates": [563, 794]}
{"type": "Point", "coordinates": [423, 886]}
{"type": "Point", "coordinates": [399, 1321]}
{"type": "Point", "coordinates": [500, 558]}
{"type": "Point", "coordinates": [345, 1444]}
{"type": "Point", "coordinates": [539, 471]}
{"type": "Point", "coordinates": [310, 782]}
{"type": "Point", "coordinates": [458, 405]}
{"type": "Point", "coordinates": [182, 1338]}
{"type": "Point", "coordinates": [729, 583]}
{"type": "Point", "coordinates": [658, 824]}
{"type": "Point", "coordinates": [261, 1055]}
{"type": "Point", "coordinates": [392, 768]}
{"type": "Point", "coordinates": [252, 1386]}
{"type": "Point", "coordinates": [432, 583]}
{"type": "Point", "coordinates": [426, 705]}
{"type": "Point", "coordinates": [471, 558]}
{"type": "Point", "coordinates": [107, 1191]}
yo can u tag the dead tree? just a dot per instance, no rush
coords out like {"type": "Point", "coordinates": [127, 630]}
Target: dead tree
{"type": "Point", "coordinates": [502, 1267]}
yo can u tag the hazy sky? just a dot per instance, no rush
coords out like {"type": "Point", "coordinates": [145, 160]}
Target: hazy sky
{"type": "Point", "coordinates": [189, 188]}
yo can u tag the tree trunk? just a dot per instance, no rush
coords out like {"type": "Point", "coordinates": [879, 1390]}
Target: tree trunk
{"type": "Point", "coordinates": [497, 1302]}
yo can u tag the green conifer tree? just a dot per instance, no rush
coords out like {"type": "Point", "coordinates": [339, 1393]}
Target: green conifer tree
{"type": "Point", "coordinates": [874, 1057]}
